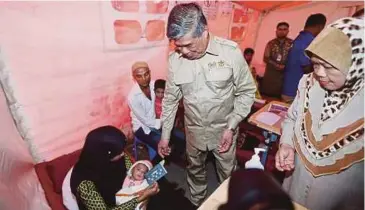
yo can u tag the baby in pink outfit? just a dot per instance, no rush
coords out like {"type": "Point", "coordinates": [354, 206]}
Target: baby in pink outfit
{"type": "Point", "coordinates": [135, 175]}
{"type": "Point", "coordinates": [134, 183]}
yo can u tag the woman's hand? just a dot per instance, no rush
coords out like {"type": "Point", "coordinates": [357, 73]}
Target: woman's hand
{"type": "Point", "coordinates": [150, 191]}
{"type": "Point", "coordinates": [284, 158]}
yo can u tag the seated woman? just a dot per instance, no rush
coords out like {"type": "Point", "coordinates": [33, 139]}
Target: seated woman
{"type": "Point", "coordinates": [100, 171]}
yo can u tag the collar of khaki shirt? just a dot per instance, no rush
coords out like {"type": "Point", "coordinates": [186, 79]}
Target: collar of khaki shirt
{"type": "Point", "coordinates": [211, 49]}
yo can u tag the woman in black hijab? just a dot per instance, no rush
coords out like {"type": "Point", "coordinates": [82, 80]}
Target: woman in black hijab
{"type": "Point", "coordinates": [101, 169]}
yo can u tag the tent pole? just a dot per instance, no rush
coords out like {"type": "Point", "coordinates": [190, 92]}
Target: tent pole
{"type": "Point", "coordinates": [16, 109]}
{"type": "Point", "coordinates": [262, 14]}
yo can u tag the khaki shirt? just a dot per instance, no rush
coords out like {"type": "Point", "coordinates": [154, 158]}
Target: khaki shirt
{"type": "Point", "coordinates": [218, 91]}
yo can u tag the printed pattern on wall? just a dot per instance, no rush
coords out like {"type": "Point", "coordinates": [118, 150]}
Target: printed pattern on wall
{"type": "Point", "coordinates": [240, 22]}
{"type": "Point", "coordinates": [133, 24]}
{"type": "Point", "coordinates": [210, 9]}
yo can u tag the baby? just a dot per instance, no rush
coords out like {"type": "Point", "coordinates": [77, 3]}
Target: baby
{"type": "Point", "coordinates": [134, 183]}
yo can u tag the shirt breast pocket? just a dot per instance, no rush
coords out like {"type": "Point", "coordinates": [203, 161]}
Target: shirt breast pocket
{"type": "Point", "coordinates": [219, 78]}
{"type": "Point", "coordinates": [185, 83]}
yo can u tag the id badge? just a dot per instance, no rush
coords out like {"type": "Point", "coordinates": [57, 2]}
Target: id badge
{"type": "Point", "coordinates": [278, 59]}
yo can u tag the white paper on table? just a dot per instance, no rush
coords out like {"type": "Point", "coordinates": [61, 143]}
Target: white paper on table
{"type": "Point", "coordinates": [268, 118]}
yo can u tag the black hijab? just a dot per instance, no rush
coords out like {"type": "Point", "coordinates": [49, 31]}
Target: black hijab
{"type": "Point", "coordinates": [255, 189]}
{"type": "Point", "coordinates": [101, 145]}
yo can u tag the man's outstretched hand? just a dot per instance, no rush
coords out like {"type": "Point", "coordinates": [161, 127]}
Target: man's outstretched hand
{"type": "Point", "coordinates": [163, 148]}
{"type": "Point", "coordinates": [226, 141]}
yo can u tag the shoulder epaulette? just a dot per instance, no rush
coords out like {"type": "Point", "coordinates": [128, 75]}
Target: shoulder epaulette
{"type": "Point", "coordinates": [172, 54]}
{"type": "Point", "coordinates": [226, 42]}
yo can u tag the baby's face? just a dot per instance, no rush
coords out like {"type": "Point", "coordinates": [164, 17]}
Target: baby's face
{"type": "Point", "coordinates": [139, 171]}
{"type": "Point", "coordinates": [159, 93]}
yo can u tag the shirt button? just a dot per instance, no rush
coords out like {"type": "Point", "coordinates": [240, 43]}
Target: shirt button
{"type": "Point", "coordinates": [306, 191]}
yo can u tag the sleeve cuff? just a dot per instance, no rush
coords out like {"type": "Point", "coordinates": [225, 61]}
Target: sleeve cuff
{"type": "Point", "coordinates": [158, 124]}
{"type": "Point", "coordinates": [165, 136]}
{"type": "Point", "coordinates": [233, 122]}
{"type": "Point", "coordinates": [287, 138]}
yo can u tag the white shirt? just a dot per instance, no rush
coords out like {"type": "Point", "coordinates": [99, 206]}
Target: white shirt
{"type": "Point", "coordinates": [143, 109]}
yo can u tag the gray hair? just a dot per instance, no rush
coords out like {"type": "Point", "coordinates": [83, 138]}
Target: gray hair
{"type": "Point", "coordinates": [186, 18]}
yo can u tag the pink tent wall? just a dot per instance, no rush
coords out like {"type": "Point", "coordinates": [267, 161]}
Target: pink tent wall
{"type": "Point", "coordinates": [19, 185]}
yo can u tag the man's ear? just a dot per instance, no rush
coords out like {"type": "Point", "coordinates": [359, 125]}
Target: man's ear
{"type": "Point", "coordinates": [205, 32]}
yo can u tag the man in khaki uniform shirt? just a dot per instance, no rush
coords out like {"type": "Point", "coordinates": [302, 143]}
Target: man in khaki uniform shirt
{"type": "Point", "coordinates": [217, 88]}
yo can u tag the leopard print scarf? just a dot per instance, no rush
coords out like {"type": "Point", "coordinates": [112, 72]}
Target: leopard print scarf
{"type": "Point", "coordinates": [335, 101]}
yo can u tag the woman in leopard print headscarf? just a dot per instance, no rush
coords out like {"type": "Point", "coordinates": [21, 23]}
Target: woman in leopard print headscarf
{"type": "Point", "coordinates": [323, 133]}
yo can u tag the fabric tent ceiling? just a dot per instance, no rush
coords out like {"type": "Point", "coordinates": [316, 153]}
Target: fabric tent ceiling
{"type": "Point", "coordinates": [270, 5]}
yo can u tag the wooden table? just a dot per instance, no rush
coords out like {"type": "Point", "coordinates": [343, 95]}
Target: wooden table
{"type": "Point", "coordinates": [276, 128]}
{"type": "Point", "coordinates": [220, 196]}
{"type": "Point", "coordinates": [271, 132]}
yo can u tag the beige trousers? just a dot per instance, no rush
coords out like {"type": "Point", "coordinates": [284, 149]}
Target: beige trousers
{"type": "Point", "coordinates": [197, 172]}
